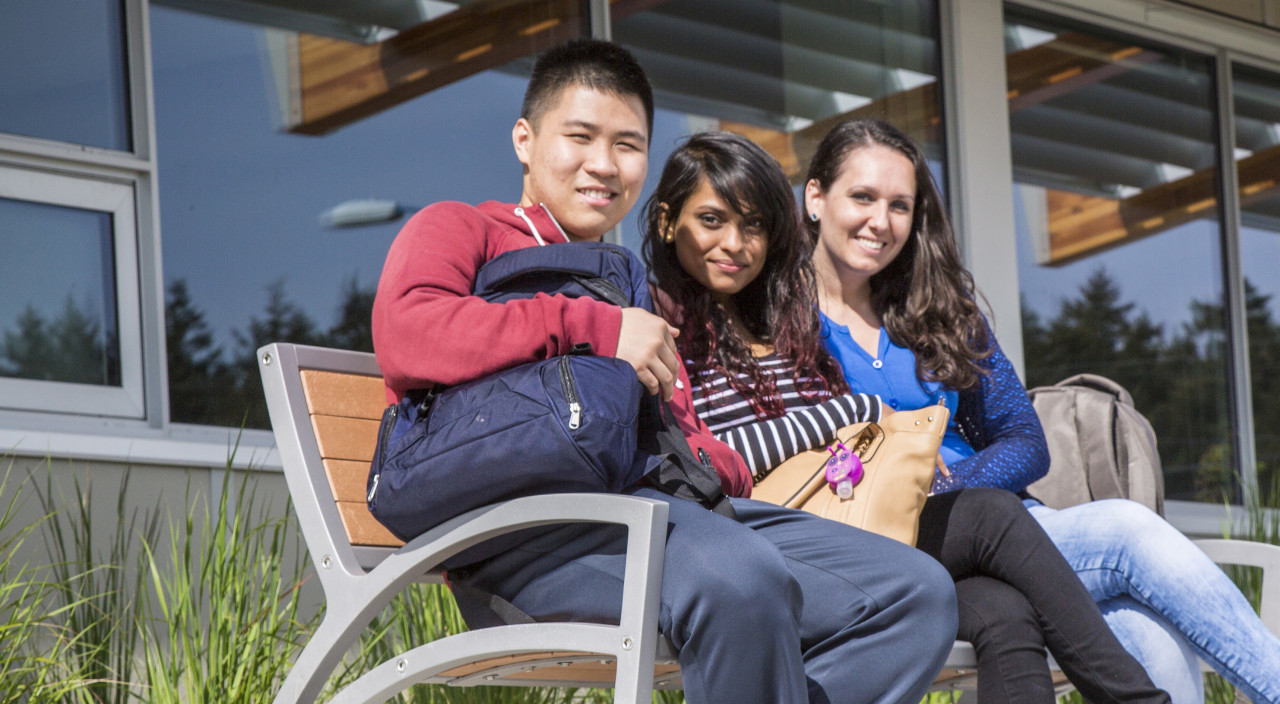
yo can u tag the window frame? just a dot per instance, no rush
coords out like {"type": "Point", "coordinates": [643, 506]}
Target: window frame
{"type": "Point", "coordinates": [121, 183]}
{"type": "Point", "coordinates": [117, 199]}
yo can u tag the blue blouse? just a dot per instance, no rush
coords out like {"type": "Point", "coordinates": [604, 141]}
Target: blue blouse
{"type": "Point", "coordinates": [993, 439]}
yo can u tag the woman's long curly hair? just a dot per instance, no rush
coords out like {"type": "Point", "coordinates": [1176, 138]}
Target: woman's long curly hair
{"type": "Point", "coordinates": [925, 298]}
{"type": "Point", "coordinates": [779, 306]}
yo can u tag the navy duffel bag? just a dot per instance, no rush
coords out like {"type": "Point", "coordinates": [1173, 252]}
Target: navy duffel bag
{"type": "Point", "coordinates": [574, 423]}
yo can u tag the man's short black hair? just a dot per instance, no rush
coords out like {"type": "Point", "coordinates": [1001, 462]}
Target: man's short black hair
{"type": "Point", "coordinates": [593, 63]}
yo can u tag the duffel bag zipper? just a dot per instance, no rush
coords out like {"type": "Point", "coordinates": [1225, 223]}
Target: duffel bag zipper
{"type": "Point", "coordinates": [570, 394]}
{"type": "Point", "coordinates": [388, 422]}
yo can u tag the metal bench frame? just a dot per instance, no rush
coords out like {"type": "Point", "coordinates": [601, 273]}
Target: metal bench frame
{"type": "Point", "coordinates": [358, 582]}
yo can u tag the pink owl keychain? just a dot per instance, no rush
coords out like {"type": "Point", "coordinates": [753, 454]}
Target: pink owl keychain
{"type": "Point", "coordinates": [844, 470]}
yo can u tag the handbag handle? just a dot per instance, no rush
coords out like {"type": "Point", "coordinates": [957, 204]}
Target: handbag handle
{"type": "Point", "coordinates": [796, 480]}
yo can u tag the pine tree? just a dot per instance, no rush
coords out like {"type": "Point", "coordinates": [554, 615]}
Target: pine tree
{"type": "Point", "coordinates": [285, 321]}
{"type": "Point", "coordinates": [201, 389]}
{"type": "Point", "coordinates": [71, 348]}
{"type": "Point", "coordinates": [354, 329]}
{"type": "Point", "coordinates": [28, 348]}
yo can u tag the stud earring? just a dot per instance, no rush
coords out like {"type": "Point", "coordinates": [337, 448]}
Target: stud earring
{"type": "Point", "coordinates": [813, 217]}
{"type": "Point", "coordinates": [669, 235]}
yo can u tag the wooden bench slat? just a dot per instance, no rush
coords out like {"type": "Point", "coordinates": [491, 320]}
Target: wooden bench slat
{"type": "Point", "coordinates": [349, 395]}
{"type": "Point", "coordinates": [585, 675]}
{"type": "Point", "coordinates": [347, 479]}
{"type": "Point", "coordinates": [472, 668]}
{"type": "Point", "coordinates": [584, 672]}
{"type": "Point", "coordinates": [344, 438]}
{"type": "Point", "coordinates": [363, 528]}
{"type": "Point", "coordinates": [553, 666]}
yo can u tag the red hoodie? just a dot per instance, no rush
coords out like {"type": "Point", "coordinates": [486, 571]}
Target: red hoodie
{"type": "Point", "coordinates": [428, 329]}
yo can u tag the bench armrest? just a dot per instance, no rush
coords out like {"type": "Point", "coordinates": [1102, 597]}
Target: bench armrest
{"type": "Point", "coordinates": [1254, 554]}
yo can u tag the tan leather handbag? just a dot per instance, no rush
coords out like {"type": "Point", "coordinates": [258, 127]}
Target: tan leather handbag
{"type": "Point", "coordinates": [898, 455]}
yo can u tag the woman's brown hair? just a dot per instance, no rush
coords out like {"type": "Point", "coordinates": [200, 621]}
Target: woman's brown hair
{"type": "Point", "coordinates": [925, 297]}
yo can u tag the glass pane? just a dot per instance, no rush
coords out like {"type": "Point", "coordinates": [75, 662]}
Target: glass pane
{"type": "Point", "coordinates": [57, 294]}
{"type": "Point", "coordinates": [784, 73]}
{"type": "Point", "coordinates": [251, 255]}
{"type": "Point", "coordinates": [66, 78]}
{"type": "Point", "coordinates": [1119, 241]}
{"type": "Point", "coordinates": [1257, 123]}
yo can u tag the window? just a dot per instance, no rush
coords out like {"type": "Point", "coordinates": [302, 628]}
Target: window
{"type": "Point", "coordinates": [1114, 144]}
{"type": "Point", "coordinates": [65, 77]}
{"type": "Point", "coordinates": [251, 253]}
{"type": "Point", "coordinates": [70, 326]}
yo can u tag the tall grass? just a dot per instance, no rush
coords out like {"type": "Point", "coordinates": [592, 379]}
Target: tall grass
{"type": "Point", "coordinates": [32, 642]}
{"type": "Point", "coordinates": [223, 623]}
{"type": "Point", "coordinates": [99, 583]}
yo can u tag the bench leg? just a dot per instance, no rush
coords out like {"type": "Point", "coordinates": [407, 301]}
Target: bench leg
{"type": "Point", "coordinates": [323, 652]}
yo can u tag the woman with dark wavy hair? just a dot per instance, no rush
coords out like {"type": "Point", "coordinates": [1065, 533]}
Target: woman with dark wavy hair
{"type": "Point", "coordinates": [712, 179]}
{"type": "Point", "coordinates": [723, 239]}
{"type": "Point", "coordinates": [900, 313]}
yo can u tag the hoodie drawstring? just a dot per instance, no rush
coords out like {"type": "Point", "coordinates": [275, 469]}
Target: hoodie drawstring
{"type": "Point", "coordinates": [532, 228]}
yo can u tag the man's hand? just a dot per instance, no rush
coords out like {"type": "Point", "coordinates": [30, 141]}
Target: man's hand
{"type": "Point", "coordinates": [648, 343]}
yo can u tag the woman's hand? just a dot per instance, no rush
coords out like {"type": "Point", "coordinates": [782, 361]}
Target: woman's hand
{"type": "Point", "coordinates": [942, 466]}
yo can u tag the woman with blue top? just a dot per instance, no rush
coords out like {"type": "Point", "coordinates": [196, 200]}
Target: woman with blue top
{"type": "Point", "coordinates": [723, 239]}
{"type": "Point", "coordinates": [899, 312]}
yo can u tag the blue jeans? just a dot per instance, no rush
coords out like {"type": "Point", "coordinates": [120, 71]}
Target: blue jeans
{"type": "Point", "coordinates": [1155, 589]}
{"type": "Point", "coordinates": [780, 606]}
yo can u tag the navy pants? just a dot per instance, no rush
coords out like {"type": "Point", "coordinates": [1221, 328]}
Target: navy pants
{"type": "Point", "coordinates": [778, 607]}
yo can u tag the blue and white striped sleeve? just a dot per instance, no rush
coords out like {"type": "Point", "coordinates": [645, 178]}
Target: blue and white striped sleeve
{"type": "Point", "coordinates": [765, 444]}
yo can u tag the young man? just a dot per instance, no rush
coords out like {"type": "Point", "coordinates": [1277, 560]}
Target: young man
{"type": "Point", "coordinates": [777, 607]}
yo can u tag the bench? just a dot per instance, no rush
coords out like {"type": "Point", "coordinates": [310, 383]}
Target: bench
{"type": "Point", "coordinates": [325, 406]}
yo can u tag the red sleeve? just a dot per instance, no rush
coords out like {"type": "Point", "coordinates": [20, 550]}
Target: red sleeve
{"type": "Point", "coordinates": [735, 478]}
{"type": "Point", "coordinates": [429, 329]}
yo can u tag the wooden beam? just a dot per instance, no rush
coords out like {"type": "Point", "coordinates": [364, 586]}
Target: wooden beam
{"type": "Point", "coordinates": [1068, 63]}
{"type": "Point", "coordinates": [1082, 225]}
{"type": "Point", "coordinates": [339, 82]}
{"type": "Point", "coordinates": [915, 111]}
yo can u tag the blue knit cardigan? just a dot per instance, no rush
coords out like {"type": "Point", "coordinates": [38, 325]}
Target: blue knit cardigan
{"type": "Point", "coordinates": [996, 418]}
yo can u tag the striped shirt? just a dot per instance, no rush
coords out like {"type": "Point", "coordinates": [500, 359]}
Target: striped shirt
{"type": "Point", "coordinates": [765, 444]}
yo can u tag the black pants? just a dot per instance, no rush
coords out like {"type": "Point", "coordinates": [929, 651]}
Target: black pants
{"type": "Point", "coordinates": [1017, 596]}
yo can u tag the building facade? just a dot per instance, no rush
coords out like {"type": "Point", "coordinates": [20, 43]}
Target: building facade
{"type": "Point", "coordinates": [184, 180]}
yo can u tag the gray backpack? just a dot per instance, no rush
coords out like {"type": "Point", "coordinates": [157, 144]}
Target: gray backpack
{"type": "Point", "coordinates": [1100, 446]}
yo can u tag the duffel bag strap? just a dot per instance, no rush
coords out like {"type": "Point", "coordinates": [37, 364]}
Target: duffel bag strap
{"type": "Point", "coordinates": [679, 473]}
